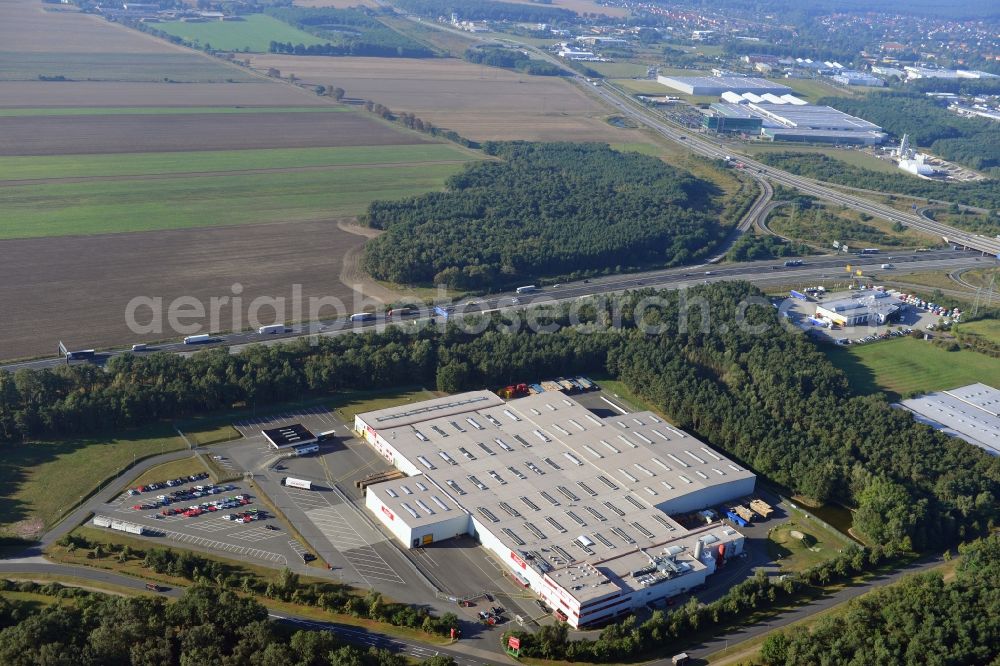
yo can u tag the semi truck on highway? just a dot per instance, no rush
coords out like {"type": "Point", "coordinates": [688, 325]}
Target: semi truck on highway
{"type": "Point", "coordinates": [197, 339]}
{"type": "Point", "coordinates": [363, 316]}
{"type": "Point", "coordinates": [527, 289]}
{"type": "Point", "coordinates": [273, 328]}
{"type": "Point", "coordinates": [291, 482]}
{"type": "Point", "coordinates": [80, 353]}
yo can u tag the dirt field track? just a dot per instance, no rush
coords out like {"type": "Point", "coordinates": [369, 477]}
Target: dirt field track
{"type": "Point", "coordinates": [81, 294]}
{"type": "Point", "coordinates": [78, 135]}
{"type": "Point", "coordinates": [32, 94]}
{"type": "Point", "coordinates": [476, 101]}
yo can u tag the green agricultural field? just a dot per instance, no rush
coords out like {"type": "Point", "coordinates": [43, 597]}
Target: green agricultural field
{"type": "Point", "coordinates": [163, 110]}
{"type": "Point", "coordinates": [255, 33]}
{"type": "Point", "coordinates": [210, 190]}
{"type": "Point", "coordinates": [645, 87]}
{"type": "Point", "coordinates": [143, 164]}
{"type": "Point", "coordinates": [619, 70]}
{"type": "Point", "coordinates": [155, 67]}
{"type": "Point", "coordinates": [905, 366]}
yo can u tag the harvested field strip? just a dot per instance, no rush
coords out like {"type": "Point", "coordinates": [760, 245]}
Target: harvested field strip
{"type": "Point", "coordinates": [153, 67]}
{"type": "Point", "coordinates": [163, 110]}
{"type": "Point", "coordinates": [160, 176]}
{"type": "Point", "coordinates": [77, 135]}
{"type": "Point", "coordinates": [135, 164]}
{"type": "Point", "coordinates": [115, 207]}
{"type": "Point", "coordinates": [73, 94]}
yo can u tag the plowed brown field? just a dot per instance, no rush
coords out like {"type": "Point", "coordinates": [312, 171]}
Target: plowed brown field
{"type": "Point", "coordinates": [35, 94]}
{"type": "Point", "coordinates": [77, 288]}
{"type": "Point", "coordinates": [476, 101]}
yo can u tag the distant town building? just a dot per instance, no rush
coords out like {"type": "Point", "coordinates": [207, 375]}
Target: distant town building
{"type": "Point", "coordinates": [855, 78]}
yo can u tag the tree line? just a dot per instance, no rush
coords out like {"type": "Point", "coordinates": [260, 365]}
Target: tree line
{"type": "Point", "coordinates": [354, 32]}
{"type": "Point", "coordinates": [411, 121]}
{"type": "Point", "coordinates": [206, 625]}
{"type": "Point", "coordinates": [286, 586]}
{"type": "Point", "coordinates": [544, 209]}
{"type": "Point", "coordinates": [768, 398]}
{"type": "Point", "coordinates": [982, 194]}
{"type": "Point", "coordinates": [974, 142]}
{"type": "Point", "coordinates": [512, 59]}
{"type": "Point", "coordinates": [921, 620]}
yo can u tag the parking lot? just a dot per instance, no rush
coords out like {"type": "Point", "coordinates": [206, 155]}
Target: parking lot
{"type": "Point", "coordinates": [224, 518]}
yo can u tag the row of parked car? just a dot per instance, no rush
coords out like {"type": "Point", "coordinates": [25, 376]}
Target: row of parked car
{"type": "Point", "coordinates": [209, 507]}
{"type": "Point", "coordinates": [875, 337]}
{"type": "Point", "coordinates": [186, 495]}
{"type": "Point", "coordinates": [160, 485]}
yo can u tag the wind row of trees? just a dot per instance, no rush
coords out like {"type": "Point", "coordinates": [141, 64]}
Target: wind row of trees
{"type": "Point", "coordinates": [512, 59]}
{"type": "Point", "coordinates": [741, 382]}
{"type": "Point", "coordinates": [974, 142]}
{"type": "Point", "coordinates": [285, 586]}
{"type": "Point", "coordinates": [982, 194]}
{"type": "Point", "coordinates": [411, 121]}
{"type": "Point", "coordinates": [205, 626]}
{"type": "Point", "coordinates": [544, 209]}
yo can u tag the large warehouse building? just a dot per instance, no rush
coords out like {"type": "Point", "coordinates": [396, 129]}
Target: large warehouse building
{"type": "Point", "coordinates": [971, 412]}
{"type": "Point", "coordinates": [576, 506]}
{"type": "Point", "coordinates": [716, 85]}
{"type": "Point", "coordinates": [787, 121]}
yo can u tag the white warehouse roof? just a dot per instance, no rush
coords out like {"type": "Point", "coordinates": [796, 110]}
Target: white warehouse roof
{"type": "Point", "coordinates": [547, 478]}
{"type": "Point", "coordinates": [971, 412]}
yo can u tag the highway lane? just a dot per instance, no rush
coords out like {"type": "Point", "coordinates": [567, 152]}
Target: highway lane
{"type": "Point", "coordinates": [763, 272]}
{"type": "Point", "coordinates": [701, 146]}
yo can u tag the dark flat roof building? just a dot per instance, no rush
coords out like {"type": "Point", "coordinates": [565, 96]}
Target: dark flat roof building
{"type": "Point", "coordinates": [289, 435]}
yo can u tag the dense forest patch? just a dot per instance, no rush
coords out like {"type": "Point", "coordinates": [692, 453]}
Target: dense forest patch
{"type": "Point", "coordinates": [545, 209]}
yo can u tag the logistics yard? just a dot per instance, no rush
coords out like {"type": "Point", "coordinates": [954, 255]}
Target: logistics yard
{"type": "Point", "coordinates": [332, 510]}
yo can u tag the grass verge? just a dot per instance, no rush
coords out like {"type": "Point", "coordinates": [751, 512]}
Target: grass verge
{"type": "Point", "coordinates": [41, 481]}
{"type": "Point", "coordinates": [171, 470]}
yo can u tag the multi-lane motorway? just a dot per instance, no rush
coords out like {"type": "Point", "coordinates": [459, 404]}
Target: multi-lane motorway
{"type": "Point", "coordinates": [760, 272]}
{"type": "Point", "coordinates": [702, 146]}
